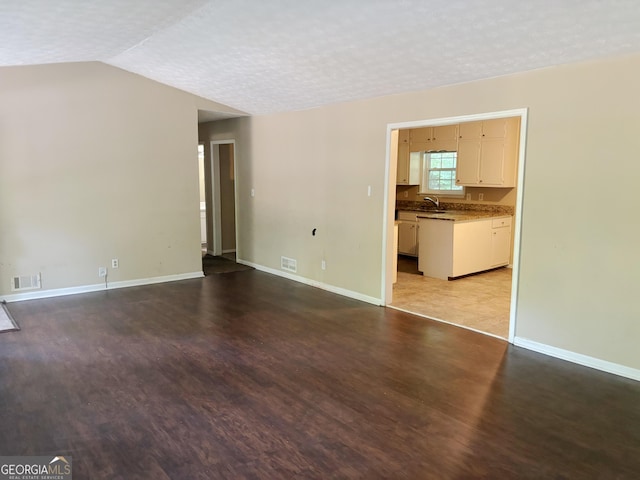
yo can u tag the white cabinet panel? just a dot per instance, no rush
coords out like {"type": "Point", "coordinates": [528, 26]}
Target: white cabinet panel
{"type": "Point", "coordinates": [500, 241]}
{"type": "Point", "coordinates": [408, 233]}
{"type": "Point", "coordinates": [407, 238]}
{"type": "Point", "coordinates": [408, 171]}
{"type": "Point", "coordinates": [436, 256]}
{"type": "Point", "coordinates": [471, 247]}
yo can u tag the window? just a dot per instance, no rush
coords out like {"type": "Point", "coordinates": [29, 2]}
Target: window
{"type": "Point", "coordinates": [439, 174]}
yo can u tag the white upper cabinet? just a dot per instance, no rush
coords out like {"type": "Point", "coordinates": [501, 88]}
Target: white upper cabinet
{"type": "Point", "coordinates": [408, 170]}
{"type": "Point", "coordinates": [488, 152]}
{"type": "Point", "coordinates": [434, 139]}
{"type": "Point", "coordinates": [445, 138]}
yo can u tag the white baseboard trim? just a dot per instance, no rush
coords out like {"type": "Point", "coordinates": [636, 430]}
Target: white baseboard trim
{"type": "Point", "coordinates": [579, 358]}
{"type": "Point", "coordinates": [59, 292]}
{"type": "Point", "coordinates": [323, 286]}
{"type": "Point", "coordinates": [231, 250]}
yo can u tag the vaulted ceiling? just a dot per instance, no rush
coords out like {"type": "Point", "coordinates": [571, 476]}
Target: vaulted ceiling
{"type": "Point", "coordinates": [267, 56]}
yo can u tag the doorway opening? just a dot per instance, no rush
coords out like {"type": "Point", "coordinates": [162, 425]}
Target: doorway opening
{"type": "Point", "coordinates": [476, 296]}
{"type": "Point", "coordinates": [221, 203]}
{"type": "Point", "coordinates": [203, 199]}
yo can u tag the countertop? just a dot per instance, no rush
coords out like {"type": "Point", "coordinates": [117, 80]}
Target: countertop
{"type": "Point", "coordinates": [455, 211]}
{"type": "Point", "coordinates": [460, 215]}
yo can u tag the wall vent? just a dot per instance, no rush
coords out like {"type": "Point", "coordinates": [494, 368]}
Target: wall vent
{"type": "Point", "coordinates": [25, 282]}
{"type": "Point", "coordinates": [289, 264]}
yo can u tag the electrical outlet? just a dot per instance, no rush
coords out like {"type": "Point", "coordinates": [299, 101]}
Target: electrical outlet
{"type": "Point", "coordinates": [468, 196]}
{"type": "Point", "coordinates": [253, 192]}
{"type": "Point", "coordinates": [481, 196]}
{"type": "Point", "coordinates": [115, 263]}
{"type": "Point", "coordinates": [406, 194]}
{"type": "Point", "coordinates": [102, 271]}
{"type": "Point", "coordinates": [324, 265]}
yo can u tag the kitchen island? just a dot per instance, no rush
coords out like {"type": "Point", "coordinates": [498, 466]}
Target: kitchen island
{"type": "Point", "coordinates": [458, 243]}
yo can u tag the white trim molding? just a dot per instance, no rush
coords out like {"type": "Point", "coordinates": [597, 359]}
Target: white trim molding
{"type": "Point", "coordinates": [313, 283]}
{"type": "Point", "coordinates": [579, 358]}
{"type": "Point", "coordinates": [59, 292]}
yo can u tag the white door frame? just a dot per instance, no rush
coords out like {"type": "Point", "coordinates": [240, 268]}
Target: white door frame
{"type": "Point", "coordinates": [386, 293]}
{"type": "Point", "coordinates": [216, 206]}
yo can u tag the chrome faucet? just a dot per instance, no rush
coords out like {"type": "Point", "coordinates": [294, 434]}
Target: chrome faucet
{"type": "Point", "coordinates": [433, 200]}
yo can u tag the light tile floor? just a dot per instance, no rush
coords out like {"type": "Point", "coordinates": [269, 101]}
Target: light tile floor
{"type": "Point", "coordinates": [479, 301]}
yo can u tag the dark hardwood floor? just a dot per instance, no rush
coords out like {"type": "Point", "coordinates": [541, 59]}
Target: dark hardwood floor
{"type": "Point", "coordinates": [247, 375]}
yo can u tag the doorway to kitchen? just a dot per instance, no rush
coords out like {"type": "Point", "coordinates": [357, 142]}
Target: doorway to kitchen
{"type": "Point", "coordinates": [483, 302]}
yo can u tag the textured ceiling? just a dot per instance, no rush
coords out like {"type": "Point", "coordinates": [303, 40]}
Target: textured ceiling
{"type": "Point", "coordinates": [270, 56]}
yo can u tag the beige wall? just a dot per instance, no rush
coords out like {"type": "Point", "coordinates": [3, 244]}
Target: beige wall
{"type": "Point", "coordinates": [95, 164]}
{"type": "Point", "coordinates": [579, 257]}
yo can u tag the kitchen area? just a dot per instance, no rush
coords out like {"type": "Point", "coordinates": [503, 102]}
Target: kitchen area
{"type": "Point", "coordinates": [455, 204]}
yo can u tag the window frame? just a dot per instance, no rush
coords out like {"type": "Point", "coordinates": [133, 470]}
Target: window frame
{"type": "Point", "coordinates": [424, 177]}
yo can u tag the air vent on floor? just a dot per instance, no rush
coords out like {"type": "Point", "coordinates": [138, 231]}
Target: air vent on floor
{"type": "Point", "coordinates": [288, 264]}
{"type": "Point", "coordinates": [25, 282]}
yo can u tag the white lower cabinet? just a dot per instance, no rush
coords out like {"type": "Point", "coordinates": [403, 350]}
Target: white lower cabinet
{"type": "Point", "coordinates": [395, 252]}
{"type": "Point", "coordinates": [452, 249]}
{"type": "Point", "coordinates": [408, 233]}
{"type": "Point", "coordinates": [500, 241]}
{"type": "Point", "coordinates": [407, 238]}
